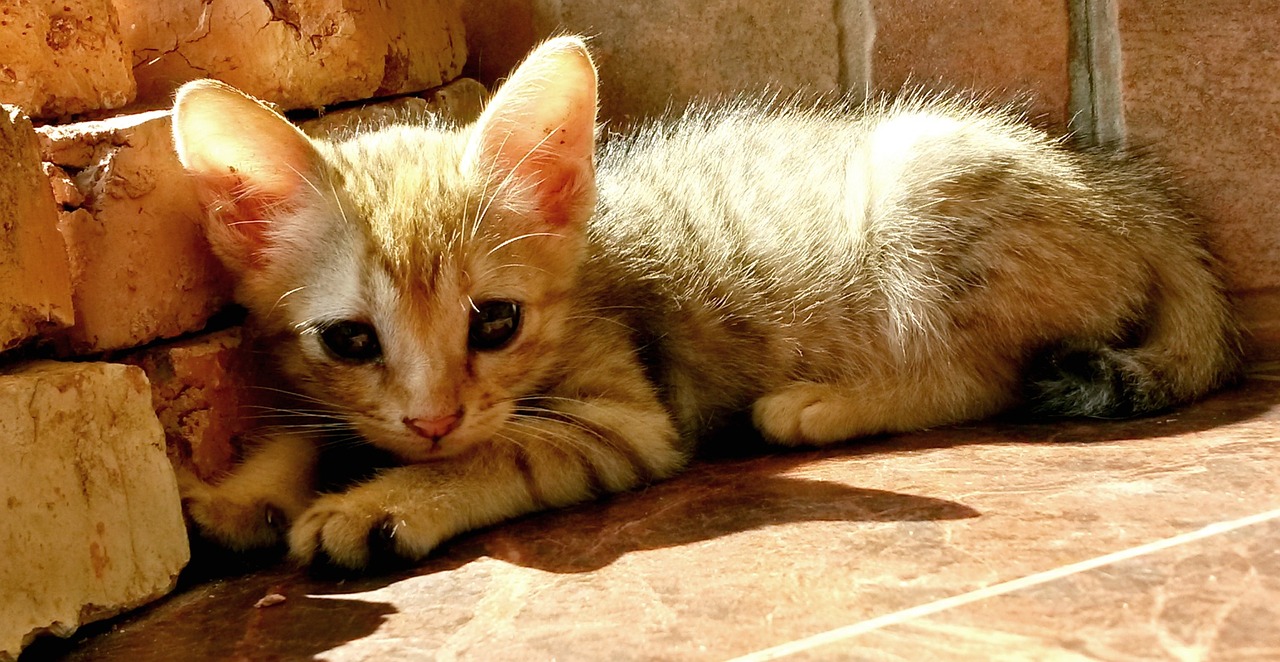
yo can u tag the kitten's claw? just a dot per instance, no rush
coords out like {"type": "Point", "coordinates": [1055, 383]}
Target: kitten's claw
{"type": "Point", "coordinates": [276, 519]}
{"type": "Point", "coordinates": [383, 552]}
{"type": "Point", "coordinates": [347, 532]}
{"type": "Point", "coordinates": [239, 525]}
{"type": "Point", "coordinates": [230, 518]}
{"type": "Point", "coordinates": [382, 538]}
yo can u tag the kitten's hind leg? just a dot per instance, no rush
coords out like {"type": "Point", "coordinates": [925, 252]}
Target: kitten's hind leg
{"type": "Point", "coordinates": [807, 413]}
{"type": "Point", "coordinates": [814, 414]}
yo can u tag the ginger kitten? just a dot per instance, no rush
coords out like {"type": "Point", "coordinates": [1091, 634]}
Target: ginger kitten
{"type": "Point", "coordinates": [526, 320]}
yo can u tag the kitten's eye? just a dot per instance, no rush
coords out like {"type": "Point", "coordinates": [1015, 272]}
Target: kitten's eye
{"type": "Point", "coordinates": [493, 324]}
{"type": "Point", "coordinates": [351, 341]}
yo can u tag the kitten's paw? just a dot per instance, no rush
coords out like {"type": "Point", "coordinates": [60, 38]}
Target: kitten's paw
{"type": "Point", "coordinates": [353, 532]}
{"type": "Point", "coordinates": [235, 521]}
{"type": "Point", "coordinates": [805, 414]}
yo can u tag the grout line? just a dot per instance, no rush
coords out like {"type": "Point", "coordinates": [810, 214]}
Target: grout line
{"type": "Point", "coordinates": [1107, 72]}
{"type": "Point", "coordinates": [1083, 121]}
{"type": "Point", "coordinates": [931, 608]}
{"type": "Point", "coordinates": [1096, 72]}
{"type": "Point", "coordinates": [855, 45]}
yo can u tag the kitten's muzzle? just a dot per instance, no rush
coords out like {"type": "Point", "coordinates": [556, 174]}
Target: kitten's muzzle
{"type": "Point", "coordinates": [435, 428]}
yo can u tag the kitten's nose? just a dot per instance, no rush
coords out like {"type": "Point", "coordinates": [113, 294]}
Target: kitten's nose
{"type": "Point", "coordinates": [434, 428]}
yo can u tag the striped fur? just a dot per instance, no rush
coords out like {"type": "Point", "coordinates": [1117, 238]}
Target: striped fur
{"type": "Point", "coordinates": [836, 272]}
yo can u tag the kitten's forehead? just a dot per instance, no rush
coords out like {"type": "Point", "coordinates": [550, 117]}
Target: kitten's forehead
{"type": "Point", "coordinates": [406, 187]}
{"type": "Point", "coordinates": [401, 174]}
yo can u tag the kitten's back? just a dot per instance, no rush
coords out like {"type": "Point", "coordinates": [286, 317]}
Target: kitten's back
{"type": "Point", "coordinates": [786, 243]}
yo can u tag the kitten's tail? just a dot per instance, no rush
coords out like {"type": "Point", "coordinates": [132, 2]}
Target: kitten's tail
{"type": "Point", "coordinates": [1190, 346]}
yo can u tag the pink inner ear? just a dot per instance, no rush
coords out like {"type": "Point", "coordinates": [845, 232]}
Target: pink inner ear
{"type": "Point", "coordinates": [559, 197]}
{"type": "Point", "coordinates": [248, 162]}
{"type": "Point", "coordinates": [242, 213]}
{"type": "Point", "coordinates": [539, 130]}
{"type": "Point", "coordinates": [554, 174]}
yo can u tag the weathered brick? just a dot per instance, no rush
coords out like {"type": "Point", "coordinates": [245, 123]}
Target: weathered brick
{"type": "Point", "coordinates": [141, 268]}
{"type": "Point", "coordinates": [500, 33]}
{"type": "Point", "coordinates": [35, 283]}
{"type": "Point", "coordinates": [1260, 314]}
{"type": "Point", "coordinates": [460, 102]}
{"type": "Point", "coordinates": [208, 393]}
{"type": "Point", "coordinates": [63, 57]}
{"type": "Point", "coordinates": [1008, 49]}
{"type": "Point", "coordinates": [299, 54]}
{"type": "Point", "coordinates": [65, 193]}
{"type": "Point", "coordinates": [92, 523]}
{"type": "Point", "coordinates": [664, 53]}
{"type": "Point", "coordinates": [1198, 86]}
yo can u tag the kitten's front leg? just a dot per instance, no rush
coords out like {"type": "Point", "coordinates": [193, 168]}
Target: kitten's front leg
{"type": "Point", "coordinates": [252, 508]}
{"type": "Point", "coordinates": [565, 454]}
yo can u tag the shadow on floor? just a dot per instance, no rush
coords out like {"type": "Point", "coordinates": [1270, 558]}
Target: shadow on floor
{"type": "Point", "coordinates": [738, 485]}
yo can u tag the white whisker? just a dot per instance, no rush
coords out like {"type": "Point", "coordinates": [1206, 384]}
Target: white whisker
{"type": "Point", "coordinates": [513, 240]}
{"type": "Point", "coordinates": [282, 298]}
{"type": "Point", "coordinates": [603, 319]}
{"type": "Point", "coordinates": [512, 265]}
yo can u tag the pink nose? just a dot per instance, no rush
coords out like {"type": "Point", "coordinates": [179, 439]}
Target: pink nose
{"type": "Point", "coordinates": [434, 428]}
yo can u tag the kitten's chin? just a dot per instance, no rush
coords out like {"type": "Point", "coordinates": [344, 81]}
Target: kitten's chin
{"type": "Point", "coordinates": [413, 449]}
{"type": "Point", "coordinates": [418, 456]}
{"type": "Point", "coordinates": [413, 452]}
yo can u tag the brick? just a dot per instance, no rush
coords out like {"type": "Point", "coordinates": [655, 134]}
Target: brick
{"type": "Point", "coordinates": [65, 193]}
{"type": "Point", "coordinates": [300, 53]}
{"type": "Point", "coordinates": [1008, 49]}
{"type": "Point", "coordinates": [1198, 85]}
{"type": "Point", "coordinates": [141, 269]}
{"type": "Point", "coordinates": [92, 522]}
{"type": "Point", "coordinates": [664, 53]}
{"type": "Point", "coordinates": [459, 102]}
{"type": "Point", "coordinates": [35, 282]}
{"type": "Point", "coordinates": [207, 392]}
{"type": "Point", "coordinates": [1260, 314]}
{"type": "Point", "coordinates": [500, 33]}
{"type": "Point", "coordinates": [462, 101]}
{"type": "Point", "coordinates": [62, 58]}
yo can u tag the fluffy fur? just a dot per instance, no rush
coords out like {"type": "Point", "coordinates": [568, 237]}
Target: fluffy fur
{"type": "Point", "coordinates": [836, 272]}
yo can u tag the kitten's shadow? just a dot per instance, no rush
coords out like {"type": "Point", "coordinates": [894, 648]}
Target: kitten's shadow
{"type": "Point", "coordinates": [709, 501]}
{"type": "Point", "coordinates": [742, 484]}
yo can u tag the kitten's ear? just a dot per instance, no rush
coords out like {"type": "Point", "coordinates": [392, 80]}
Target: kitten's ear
{"type": "Point", "coordinates": [536, 138]}
{"type": "Point", "coordinates": [248, 161]}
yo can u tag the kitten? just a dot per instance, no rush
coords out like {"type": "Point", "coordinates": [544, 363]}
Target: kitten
{"type": "Point", "coordinates": [526, 322]}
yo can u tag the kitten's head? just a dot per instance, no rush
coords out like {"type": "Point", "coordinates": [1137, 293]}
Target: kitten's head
{"type": "Point", "coordinates": [416, 280]}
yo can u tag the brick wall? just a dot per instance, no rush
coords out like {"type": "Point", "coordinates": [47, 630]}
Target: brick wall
{"type": "Point", "coordinates": [102, 264]}
{"type": "Point", "coordinates": [115, 363]}
{"type": "Point", "coordinates": [1195, 81]}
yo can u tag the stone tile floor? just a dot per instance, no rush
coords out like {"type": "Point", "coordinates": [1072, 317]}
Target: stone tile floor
{"type": "Point", "coordinates": [1127, 540]}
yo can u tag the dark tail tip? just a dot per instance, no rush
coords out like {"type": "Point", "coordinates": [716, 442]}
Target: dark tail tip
{"type": "Point", "coordinates": [1075, 381]}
